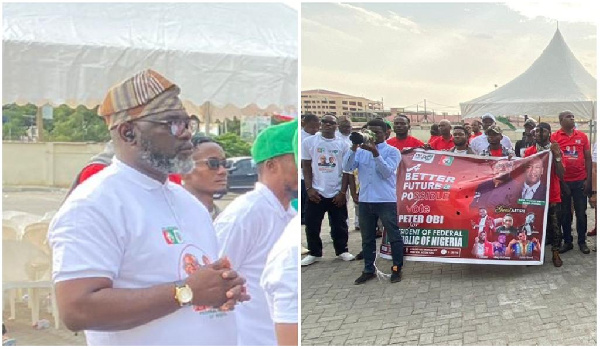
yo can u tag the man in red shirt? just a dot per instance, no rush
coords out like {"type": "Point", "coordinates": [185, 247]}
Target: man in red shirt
{"type": "Point", "coordinates": [577, 160]}
{"type": "Point", "coordinates": [403, 140]}
{"type": "Point", "coordinates": [445, 141]}
{"type": "Point", "coordinates": [476, 129]}
{"type": "Point", "coordinates": [542, 142]}
{"type": "Point", "coordinates": [434, 131]}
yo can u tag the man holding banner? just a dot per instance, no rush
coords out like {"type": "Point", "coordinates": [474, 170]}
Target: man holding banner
{"type": "Point", "coordinates": [542, 142]}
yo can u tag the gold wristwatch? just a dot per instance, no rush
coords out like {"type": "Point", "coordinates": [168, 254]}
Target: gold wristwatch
{"type": "Point", "coordinates": [183, 293]}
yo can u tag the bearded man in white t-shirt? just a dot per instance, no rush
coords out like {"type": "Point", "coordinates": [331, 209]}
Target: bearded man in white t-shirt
{"type": "Point", "coordinates": [134, 255]}
{"type": "Point", "coordinates": [249, 227]}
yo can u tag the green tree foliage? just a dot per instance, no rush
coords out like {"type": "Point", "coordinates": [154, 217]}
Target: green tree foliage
{"type": "Point", "coordinates": [233, 145]}
{"type": "Point", "coordinates": [68, 125]}
{"type": "Point", "coordinates": [16, 120]}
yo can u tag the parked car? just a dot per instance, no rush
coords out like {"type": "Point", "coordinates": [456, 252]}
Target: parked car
{"type": "Point", "coordinates": [242, 174]}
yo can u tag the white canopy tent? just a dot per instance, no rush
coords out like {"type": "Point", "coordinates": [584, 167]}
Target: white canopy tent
{"type": "Point", "coordinates": [556, 81]}
{"type": "Point", "coordinates": [228, 58]}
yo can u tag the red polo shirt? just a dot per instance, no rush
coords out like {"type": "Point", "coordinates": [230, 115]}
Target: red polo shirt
{"type": "Point", "coordinates": [474, 135]}
{"type": "Point", "coordinates": [432, 138]}
{"type": "Point", "coordinates": [409, 142]}
{"type": "Point", "coordinates": [441, 144]}
{"type": "Point", "coordinates": [572, 148]}
{"type": "Point", "coordinates": [554, 181]}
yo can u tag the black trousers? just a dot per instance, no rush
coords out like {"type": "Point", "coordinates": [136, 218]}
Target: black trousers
{"type": "Point", "coordinates": [303, 198]}
{"type": "Point", "coordinates": [579, 200]}
{"type": "Point", "coordinates": [315, 212]}
{"type": "Point", "coordinates": [553, 231]}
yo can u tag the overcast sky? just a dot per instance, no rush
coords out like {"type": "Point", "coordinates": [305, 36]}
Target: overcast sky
{"type": "Point", "coordinates": [445, 52]}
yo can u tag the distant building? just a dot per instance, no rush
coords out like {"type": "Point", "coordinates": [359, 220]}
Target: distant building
{"type": "Point", "coordinates": [321, 102]}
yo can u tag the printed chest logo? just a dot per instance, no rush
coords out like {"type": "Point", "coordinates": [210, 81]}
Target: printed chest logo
{"type": "Point", "coordinates": [172, 236]}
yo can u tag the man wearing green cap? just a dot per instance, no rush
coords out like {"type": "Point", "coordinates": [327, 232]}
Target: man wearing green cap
{"type": "Point", "coordinates": [280, 278]}
{"type": "Point", "coordinates": [249, 227]}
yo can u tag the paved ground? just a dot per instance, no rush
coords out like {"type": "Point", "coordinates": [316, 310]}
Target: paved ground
{"type": "Point", "coordinates": [39, 201]}
{"type": "Point", "coordinates": [450, 304]}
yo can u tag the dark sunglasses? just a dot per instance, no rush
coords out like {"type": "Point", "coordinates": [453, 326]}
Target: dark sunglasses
{"type": "Point", "coordinates": [213, 163]}
{"type": "Point", "coordinates": [176, 126]}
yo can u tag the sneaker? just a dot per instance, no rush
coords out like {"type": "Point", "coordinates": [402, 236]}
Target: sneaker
{"type": "Point", "coordinates": [308, 260]}
{"type": "Point", "coordinates": [364, 277]}
{"type": "Point", "coordinates": [583, 248]}
{"type": "Point", "coordinates": [304, 250]}
{"type": "Point", "coordinates": [359, 256]}
{"type": "Point", "coordinates": [346, 256]}
{"type": "Point", "coordinates": [396, 274]}
{"type": "Point", "coordinates": [567, 246]}
{"type": "Point", "coordinates": [7, 341]}
{"type": "Point", "coordinates": [556, 259]}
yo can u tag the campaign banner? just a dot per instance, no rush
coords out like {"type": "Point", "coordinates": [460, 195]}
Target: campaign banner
{"type": "Point", "coordinates": [456, 208]}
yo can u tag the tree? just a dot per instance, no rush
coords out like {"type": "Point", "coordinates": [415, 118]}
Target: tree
{"type": "Point", "coordinates": [16, 120]}
{"type": "Point", "coordinates": [233, 145]}
{"type": "Point", "coordinates": [68, 124]}
{"type": "Point", "coordinates": [78, 125]}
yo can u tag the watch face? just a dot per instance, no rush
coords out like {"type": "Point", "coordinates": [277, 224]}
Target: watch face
{"type": "Point", "coordinates": [185, 294]}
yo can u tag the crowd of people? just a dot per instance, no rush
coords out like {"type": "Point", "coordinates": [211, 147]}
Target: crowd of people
{"type": "Point", "coordinates": [368, 172]}
{"type": "Point", "coordinates": [142, 255]}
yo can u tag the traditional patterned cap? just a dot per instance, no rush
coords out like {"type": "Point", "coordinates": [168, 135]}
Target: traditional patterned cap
{"type": "Point", "coordinates": [495, 129]}
{"type": "Point", "coordinates": [144, 94]}
{"type": "Point", "coordinates": [274, 141]}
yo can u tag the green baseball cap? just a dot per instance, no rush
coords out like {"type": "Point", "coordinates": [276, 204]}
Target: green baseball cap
{"type": "Point", "coordinates": [275, 141]}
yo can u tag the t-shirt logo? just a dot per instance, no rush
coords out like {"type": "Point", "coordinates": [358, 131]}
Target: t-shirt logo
{"type": "Point", "coordinates": [446, 160]}
{"type": "Point", "coordinates": [172, 236]}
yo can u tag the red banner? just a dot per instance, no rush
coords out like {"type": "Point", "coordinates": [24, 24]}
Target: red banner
{"type": "Point", "coordinates": [470, 209]}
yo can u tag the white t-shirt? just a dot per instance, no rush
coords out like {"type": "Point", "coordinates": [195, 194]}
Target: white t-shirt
{"type": "Point", "coordinates": [327, 157]}
{"type": "Point", "coordinates": [125, 226]}
{"type": "Point", "coordinates": [480, 143]}
{"type": "Point", "coordinates": [247, 230]}
{"type": "Point", "coordinates": [594, 153]}
{"type": "Point", "coordinates": [280, 277]}
{"type": "Point", "coordinates": [341, 136]}
{"type": "Point", "coordinates": [303, 135]}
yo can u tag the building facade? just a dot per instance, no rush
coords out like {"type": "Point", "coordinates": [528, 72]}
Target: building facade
{"type": "Point", "coordinates": [321, 102]}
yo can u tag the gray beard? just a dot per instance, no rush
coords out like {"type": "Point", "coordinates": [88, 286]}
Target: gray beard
{"type": "Point", "coordinates": [164, 164]}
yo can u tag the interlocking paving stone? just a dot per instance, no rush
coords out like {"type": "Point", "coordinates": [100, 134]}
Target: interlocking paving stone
{"type": "Point", "coordinates": [450, 304]}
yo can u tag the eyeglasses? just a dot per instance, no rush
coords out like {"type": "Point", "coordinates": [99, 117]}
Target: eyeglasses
{"type": "Point", "coordinates": [177, 126]}
{"type": "Point", "coordinates": [214, 163]}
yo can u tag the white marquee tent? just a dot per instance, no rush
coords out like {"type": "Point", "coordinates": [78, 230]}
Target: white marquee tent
{"type": "Point", "coordinates": [228, 58]}
{"type": "Point", "coordinates": [556, 81]}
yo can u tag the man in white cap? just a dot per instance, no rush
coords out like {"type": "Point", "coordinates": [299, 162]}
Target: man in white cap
{"type": "Point", "coordinates": [134, 255]}
{"type": "Point", "coordinates": [480, 143]}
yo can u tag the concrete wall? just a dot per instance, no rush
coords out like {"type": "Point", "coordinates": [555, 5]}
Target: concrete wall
{"type": "Point", "coordinates": [44, 164]}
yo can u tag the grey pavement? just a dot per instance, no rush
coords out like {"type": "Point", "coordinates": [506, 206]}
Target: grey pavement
{"type": "Point", "coordinates": [39, 201]}
{"type": "Point", "coordinates": [449, 304]}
